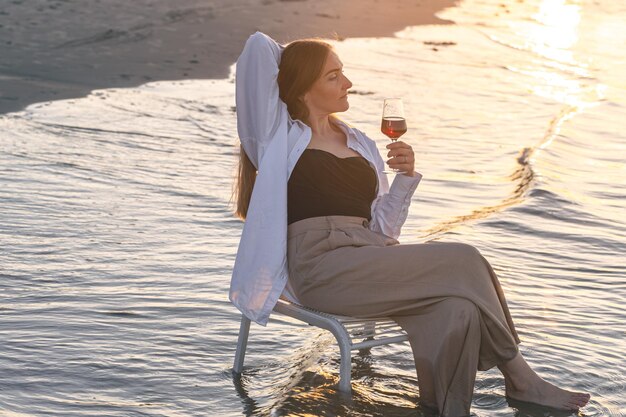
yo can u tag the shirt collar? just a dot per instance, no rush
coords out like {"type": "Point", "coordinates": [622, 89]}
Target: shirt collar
{"type": "Point", "coordinates": [347, 129]}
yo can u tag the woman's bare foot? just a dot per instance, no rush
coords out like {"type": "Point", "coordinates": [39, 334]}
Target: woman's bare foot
{"type": "Point", "coordinates": [544, 393]}
{"type": "Point", "coordinates": [523, 384]}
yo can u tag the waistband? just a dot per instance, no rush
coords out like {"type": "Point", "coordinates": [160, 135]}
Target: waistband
{"type": "Point", "coordinates": [325, 223]}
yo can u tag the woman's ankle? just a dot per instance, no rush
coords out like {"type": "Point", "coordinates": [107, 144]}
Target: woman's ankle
{"type": "Point", "coordinates": [518, 375]}
{"type": "Point", "coordinates": [517, 386]}
{"type": "Point", "coordinates": [523, 383]}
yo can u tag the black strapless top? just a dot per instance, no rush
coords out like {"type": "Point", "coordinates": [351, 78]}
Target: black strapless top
{"type": "Point", "coordinates": [322, 184]}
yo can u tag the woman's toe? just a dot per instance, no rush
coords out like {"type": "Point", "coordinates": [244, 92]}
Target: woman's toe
{"type": "Point", "coordinates": [583, 399]}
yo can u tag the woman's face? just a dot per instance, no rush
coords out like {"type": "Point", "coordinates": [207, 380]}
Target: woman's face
{"type": "Point", "coordinates": [329, 93]}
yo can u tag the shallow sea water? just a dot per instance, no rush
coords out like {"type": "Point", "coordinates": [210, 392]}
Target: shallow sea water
{"type": "Point", "coordinates": [117, 239]}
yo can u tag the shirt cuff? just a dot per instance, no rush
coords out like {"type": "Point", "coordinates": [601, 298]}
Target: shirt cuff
{"type": "Point", "coordinates": [404, 186]}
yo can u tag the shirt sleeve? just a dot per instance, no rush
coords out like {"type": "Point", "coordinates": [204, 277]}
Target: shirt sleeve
{"type": "Point", "coordinates": [259, 108]}
{"type": "Point", "coordinates": [390, 209]}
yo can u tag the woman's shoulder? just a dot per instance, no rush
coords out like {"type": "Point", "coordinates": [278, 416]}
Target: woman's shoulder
{"type": "Point", "coordinates": [363, 137]}
{"type": "Point", "coordinates": [353, 129]}
{"type": "Point", "coordinates": [364, 140]}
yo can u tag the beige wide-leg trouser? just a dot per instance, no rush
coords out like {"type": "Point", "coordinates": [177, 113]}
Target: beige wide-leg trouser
{"type": "Point", "coordinates": [445, 295]}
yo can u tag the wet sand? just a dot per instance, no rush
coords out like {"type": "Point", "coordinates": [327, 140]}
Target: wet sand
{"type": "Point", "coordinates": [63, 49]}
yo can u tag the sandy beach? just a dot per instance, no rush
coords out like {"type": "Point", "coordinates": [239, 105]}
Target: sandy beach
{"type": "Point", "coordinates": [58, 50]}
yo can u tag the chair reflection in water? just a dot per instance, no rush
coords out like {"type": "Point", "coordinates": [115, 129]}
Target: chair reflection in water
{"type": "Point", "coordinates": [351, 334]}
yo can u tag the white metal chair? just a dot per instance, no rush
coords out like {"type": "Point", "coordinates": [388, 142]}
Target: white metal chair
{"type": "Point", "coordinates": [347, 330]}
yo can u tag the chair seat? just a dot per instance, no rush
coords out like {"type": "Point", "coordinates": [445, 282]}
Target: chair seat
{"type": "Point", "coordinates": [372, 331]}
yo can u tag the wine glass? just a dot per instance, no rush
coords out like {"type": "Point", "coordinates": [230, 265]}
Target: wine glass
{"type": "Point", "coordinates": [393, 124]}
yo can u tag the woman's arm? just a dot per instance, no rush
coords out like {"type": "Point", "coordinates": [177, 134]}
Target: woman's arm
{"type": "Point", "coordinates": [259, 108]}
{"type": "Point", "coordinates": [390, 209]}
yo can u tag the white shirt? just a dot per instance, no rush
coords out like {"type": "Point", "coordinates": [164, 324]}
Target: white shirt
{"type": "Point", "coordinates": [274, 142]}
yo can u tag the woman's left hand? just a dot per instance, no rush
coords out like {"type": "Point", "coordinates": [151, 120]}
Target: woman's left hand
{"type": "Point", "coordinates": [401, 157]}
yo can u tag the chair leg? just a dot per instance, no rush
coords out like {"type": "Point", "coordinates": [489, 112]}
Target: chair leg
{"type": "Point", "coordinates": [242, 342]}
{"type": "Point", "coordinates": [345, 366]}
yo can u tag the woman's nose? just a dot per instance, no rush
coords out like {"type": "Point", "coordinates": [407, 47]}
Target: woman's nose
{"type": "Point", "coordinates": [348, 83]}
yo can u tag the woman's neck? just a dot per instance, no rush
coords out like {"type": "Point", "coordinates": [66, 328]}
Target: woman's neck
{"type": "Point", "coordinates": [322, 126]}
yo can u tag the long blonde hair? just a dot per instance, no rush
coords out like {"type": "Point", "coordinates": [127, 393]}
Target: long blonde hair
{"type": "Point", "coordinates": [301, 64]}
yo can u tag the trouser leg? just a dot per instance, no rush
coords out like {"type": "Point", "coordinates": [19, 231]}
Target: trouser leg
{"type": "Point", "coordinates": [445, 339]}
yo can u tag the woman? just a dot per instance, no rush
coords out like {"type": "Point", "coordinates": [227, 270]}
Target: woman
{"type": "Point", "coordinates": [322, 225]}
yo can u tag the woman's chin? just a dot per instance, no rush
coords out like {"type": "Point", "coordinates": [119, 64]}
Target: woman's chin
{"type": "Point", "coordinates": [342, 107]}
